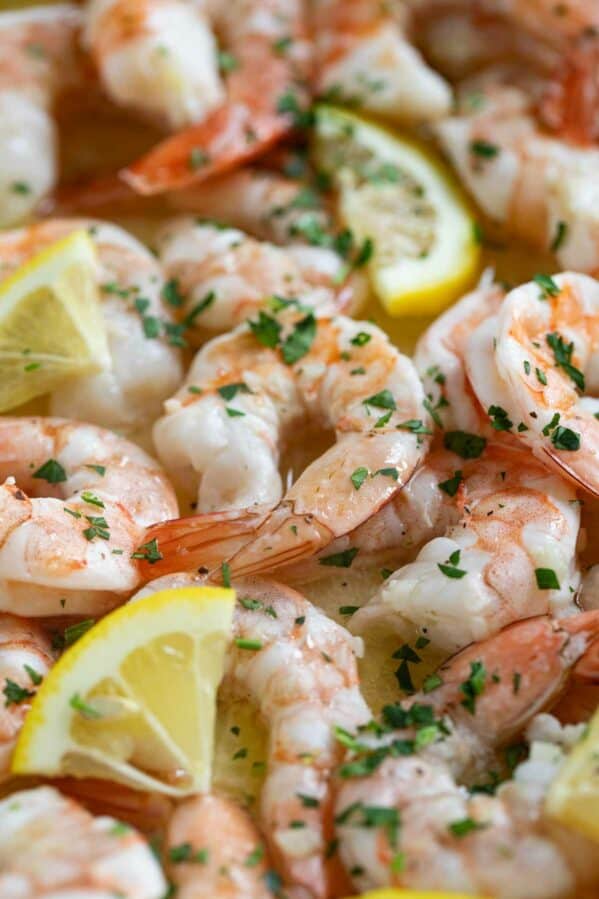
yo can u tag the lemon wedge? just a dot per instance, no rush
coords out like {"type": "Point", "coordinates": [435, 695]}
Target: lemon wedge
{"type": "Point", "coordinates": [134, 699]}
{"type": "Point", "coordinates": [411, 894]}
{"type": "Point", "coordinates": [573, 798]}
{"type": "Point", "coordinates": [426, 248]}
{"type": "Point", "coordinates": [51, 324]}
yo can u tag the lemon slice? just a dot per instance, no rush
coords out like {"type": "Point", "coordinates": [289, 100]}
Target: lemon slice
{"type": "Point", "coordinates": [51, 324]}
{"type": "Point", "coordinates": [411, 894]}
{"type": "Point", "coordinates": [573, 798]}
{"type": "Point", "coordinates": [134, 699]}
{"type": "Point", "coordinates": [426, 248]}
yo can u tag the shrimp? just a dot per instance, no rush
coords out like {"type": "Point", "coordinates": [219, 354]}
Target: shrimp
{"type": "Point", "coordinates": [269, 60]}
{"type": "Point", "coordinates": [75, 502]}
{"type": "Point", "coordinates": [511, 554]}
{"type": "Point", "coordinates": [51, 847]}
{"type": "Point", "coordinates": [401, 817]}
{"type": "Point", "coordinates": [439, 358]}
{"type": "Point", "coordinates": [342, 372]}
{"type": "Point", "coordinates": [364, 57]}
{"type": "Point", "coordinates": [25, 658]}
{"type": "Point", "coordinates": [38, 60]}
{"type": "Point", "coordinates": [540, 187]}
{"type": "Point", "coordinates": [264, 203]}
{"type": "Point", "coordinates": [127, 394]}
{"type": "Point", "coordinates": [224, 840]}
{"type": "Point", "coordinates": [226, 276]}
{"type": "Point", "coordinates": [158, 57]}
{"type": "Point", "coordinates": [299, 668]}
{"type": "Point", "coordinates": [543, 347]}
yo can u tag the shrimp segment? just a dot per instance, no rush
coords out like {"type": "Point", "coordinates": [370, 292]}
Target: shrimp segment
{"type": "Point", "coordinates": [229, 276]}
{"type": "Point", "coordinates": [511, 554]}
{"type": "Point", "coordinates": [351, 378]}
{"type": "Point", "coordinates": [265, 94]}
{"type": "Point", "coordinates": [422, 809]}
{"type": "Point", "coordinates": [51, 847]}
{"type": "Point", "coordinates": [127, 395]}
{"type": "Point", "coordinates": [156, 56]}
{"type": "Point", "coordinates": [299, 668]}
{"type": "Point", "coordinates": [439, 357]}
{"type": "Point", "coordinates": [541, 187]}
{"type": "Point", "coordinates": [544, 349]}
{"type": "Point", "coordinates": [232, 868]}
{"type": "Point", "coordinates": [38, 59]}
{"type": "Point", "coordinates": [25, 658]}
{"type": "Point", "coordinates": [363, 57]}
{"type": "Point", "coordinates": [74, 517]}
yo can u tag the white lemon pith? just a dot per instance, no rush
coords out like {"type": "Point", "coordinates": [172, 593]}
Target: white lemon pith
{"type": "Point", "coordinates": [134, 700]}
{"type": "Point", "coordinates": [391, 190]}
{"type": "Point", "coordinates": [51, 324]}
{"type": "Point", "coordinates": [574, 795]}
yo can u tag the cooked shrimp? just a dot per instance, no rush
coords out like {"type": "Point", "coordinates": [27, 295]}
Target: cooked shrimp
{"type": "Point", "coordinates": [540, 187]}
{"type": "Point", "coordinates": [158, 57]}
{"type": "Point", "coordinates": [38, 59]}
{"type": "Point", "coordinates": [299, 667]}
{"type": "Point", "coordinates": [269, 61]}
{"type": "Point", "coordinates": [264, 203]}
{"type": "Point", "coordinates": [226, 276]}
{"type": "Point", "coordinates": [341, 372]}
{"type": "Point", "coordinates": [365, 58]}
{"type": "Point", "coordinates": [428, 832]}
{"type": "Point", "coordinates": [25, 658]}
{"type": "Point", "coordinates": [545, 355]}
{"type": "Point", "coordinates": [439, 358]}
{"type": "Point", "coordinates": [51, 847]}
{"type": "Point", "coordinates": [144, 367]}
{"type": "Point", "coordinates": [75, 502]}
{"type": "Point", "coordinates": [226, 856]}
{"type": "Point", "coordinates": [512, 554]}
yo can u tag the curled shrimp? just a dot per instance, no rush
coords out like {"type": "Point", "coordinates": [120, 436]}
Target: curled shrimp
{"type": "Point", "coordinates": [511, 554]}
{"type": "Point", "coordinates": [341, 372]}
{"type": "Point", "coordinates": [299, 668]}
{"type": "Point", "coordinates": [126, 395]}
{"type": "Point", "coordinates": [265, 95]}
{"type": "Point", "coordinates": [75, 502]}
{"type": "Point", "coordinates": [226, 276]}
{"type": "Point", "coordinates": [38, 60]}
{"type": "Point", "coordinates": [50, 847]}
{"type": "Point", "coordinates": [223, 838]}
{"type": "Point", "coordinates": [364, 57]}
{"type": "Point", "coordinates": [534, 183]}
{"type": "Point", "coordinates": [25, 658]}
{"type": "Point", "coordinates": [401, 815]}
{"type": "Point", "coordinates": [543, 347]}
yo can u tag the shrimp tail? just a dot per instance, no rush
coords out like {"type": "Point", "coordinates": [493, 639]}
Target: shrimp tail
{"type": "Point", "coordinates": [585, 626]}
{"type": "Point", "coordinates": [273, 548]}
{"type": "Point", "coordinates": [230, 137]}
{"type": "Point", "coordinates": [199, 541]}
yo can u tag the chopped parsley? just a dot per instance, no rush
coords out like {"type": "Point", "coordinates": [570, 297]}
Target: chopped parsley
{"type": "Point", "coordinates": [51, 471]}
{"type": "Point", "coordinates": [546, 579]}
{"type": "Point", "coordinates": [451, 485]}
{"type": "Point", "coordinates": [548, 286]}
{"type": "Point", "coordinates": [500, 420]}
{"type": "Point", "coordinates": [450, 569]}
{"type": "Point", "coordinates": [473, 686]}
{"type": "Point", "coordinates": [149, 552]}
{"type": "Point", "coordinates": [483, 149]}
{"type": "Point", "coordinates": [15, 694]}
{"type": "Point", "coordinates": [562, 353]}
{"type": "Point", "coordinates": [468, 446]}
{"type": "Point", "coordinates": [340, 560]}
{"type": "Point", "coordinates": [358, 477]}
